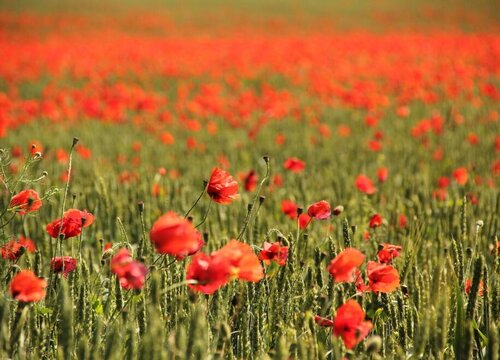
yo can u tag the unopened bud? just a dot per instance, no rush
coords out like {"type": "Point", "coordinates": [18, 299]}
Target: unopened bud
{"type": "Point", "coordinates": [261, 199]}
{"type": "Point", "coordinates": [373, 344]}
{"type": "Point", "coordinates": [140, 206]}
{"type": "Point", "coordinates": [75, 141]}
{"type": "Point", "coordinates": [266, 158]}
{"type": "Point", "coordinates": [299, 211]}
{"type": "Point", "coordinates": [338, 210]}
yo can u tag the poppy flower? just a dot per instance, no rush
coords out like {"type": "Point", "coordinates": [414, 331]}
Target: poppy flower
{"type": "Point", "coordinates": [25, 202]}
{"type": "Point", "coordinates": [244, 263]}
{"type": "Point", "coordinates": [304, 220]}
{"type": "Point", "coordinates": [388, 252]}
{"type": "Point", "coordinates": [344, 265]}
{"type": "Point", "coordinates": [71, 224]}
{"type": "Point", "coordinates": [350, 324]}
{"type": "Point", "coordinates": [382, 174]}
{"type": "Point", "coordinates": [172, 234]}
{"type": "Point", "coordinates": [289, 208]}
{"type": "Point", "coordinates": [460, 176]}
{"type": "Point", "coordinates": [63, 264]}
{"type": "Point", "coordinates": [27, 287]}
{"type": "Point", "coordinates": [468, 285]}
{"type": "Point", "coordinates": [294, 165]}
{"type": "Point", "coordinates": [209, 272]}
{"type": "Point", "coordinates": [365, 184]}
{"type": "Point", "coordinates": [275, 252]}
{"type": "Point", "coordinates": [321, 321]}
{"type": "Point", "coordinates": [222, 188]}
{"type": "Point", "coordinates": [13, 249]}
{"type": "Point", "coordinates": [382, 278]}
{"type": "Point", "coordinates": [250, 181]}
{"type": "Point", "coordinates": [403, 221]}
{"type": "Point", "coordinates": [376, 221]}
{"type": "Point", "coordinates": [131, 274]}
{"type": "Point", "coordinates": [443, 182]}
{"type": "Point", "coordinates": [320, 210]}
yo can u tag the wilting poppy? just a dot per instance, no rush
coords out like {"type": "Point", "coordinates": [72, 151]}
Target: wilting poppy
{"type": "Point", "coordinates": [275, 252]}
{"type": "Point", "coordinates": [25, 202]}
{"type": "Point", "coordinates": [294, 165]}
{"type": "Point", "coordinates": [320, 210]}
{"type": "Point", "coordinates": [460, 176]}
{"type": "Point", "coordinates": [27, 287]}
{"type": "Point", "coordinates": [131, 274]}
{"type": "Point", "coordinates": [63, 264]}
{"type": "Point", "coordinates": [344, 265]}
{"type": "Point", "coordinates": [71, 224]}
{"type": "Point", "coordinates": [222, 188]}
{"type": "Point", "coordinates": [172, 234]}
{"type": "Point", "coordinates": [376, 221]}
{"type": "Point", "coordinates": [13, 249]}
{"type": "Point", "coordinates": [350, 324]}
{"type": "Point", "coordinates": [388, 252]}
{"type": "Point", "coordinates": [382, 278]}
{"type": "Point", "coordinates": [321, 321]}
{"type": "Point", "coordinates": [365, 184]}
{"type": "Point", "coordinates": [289, 208]}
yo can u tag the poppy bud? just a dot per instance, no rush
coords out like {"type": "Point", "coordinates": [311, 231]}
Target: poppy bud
{"type": "Point", "coordinates": [249, 207]}
{"type": "Point", "coordinates": [205, 237]}
{"type": "Point", "coordinates": [261, 199]}
{"type": "Point", "coordinates": [353, 229]}
{"type": "Point", "coordinates": [299, 211]}
{"type": "Point", "coordinates": [338, 210]}
{"type": "Point", "coordinates": [205, 184]}
{"type": "Point", "coordinates": [37, 155]}
{"type": "Point", "coordinates": [479, 223]}
{"type": "Point", "coordinates": [404, 290]}
{"type": "Point", "coordinates": [140, 206]}
{"type": "Point", "coordinates": [45, 173]}
{"type": "Point", "coordinates": [266, 158]}
{"type": "Point", "coordinates": [75, 141]}
{"type": "Point", "coordinates": [190, 219]}
{"type": "Point", "coordinates": [373, 344]}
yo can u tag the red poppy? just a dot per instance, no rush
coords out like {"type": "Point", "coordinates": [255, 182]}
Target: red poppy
{"type": "Point", "coordinates": [275, 252]}
{"type": "Point", "coordinates": [304, 220]}
{"type": "Point", "coordinates": [468, 285]}
{"type": "Point", "coordinates": [25, 202]}
{"type": "Point", "coordinates": [350, 324]}
{"type": "Point", "coordinates": [376, 221]}
{"type": "Point", "coordinates": [344, 265]}
{"type": "Point", "coordinates": [172, 234]}
{"type": "Point", "coordinates": [131, 274]}
{"type": "Point", "coordinates": [222, 188]}
{"type": "Point", "coordinates": [382, 278]}
{"type": "Point", "coordinates": [244, 263]}
{"type": "Point", "coordinates": [460, 176]}
{"type": "Point", "coordinates": [209, 272]}
{"type": "Point", "coordinates": [71, 224]}
{"type": "Point", "coordinates": [250, 181]}
{"type": "Point", "coordinates": [388, 252]}
{"type": "Point", "coordinates": [63, 264]}
{"type": "Point", "coordinates": [320, 210]}
{"type": "Point", "coordinates": [27, 287]}
{"type": "Point", "coordinates": [289, 208]}
{"type": "Point", "coordinates": [294, 165]}
{"type": "Point", "coordinates": [443, 182]}
{"type": "Point", "coordinates": [321, 321]}
{"type": "Point", "coordinates": [13, 249]}
{"type": "Point", "coordinates": [403, 221]}
{"type": "Point", "coordinates": [382, 174]}
{"type": "Point", "coordinates": [365, 184]}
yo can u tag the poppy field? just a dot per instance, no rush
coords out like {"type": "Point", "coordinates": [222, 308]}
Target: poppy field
{"type": "Point", "coordinates": [249, 180]}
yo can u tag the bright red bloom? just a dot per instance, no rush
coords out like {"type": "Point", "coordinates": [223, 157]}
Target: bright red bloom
{"type": "Point", "coordinates": [13, 249]}
{"type": "Point", "coordinates": [294, 165]}
{"type": "Point", "coordinates": [468, 285]}
{"type": "Point", "coordinates": [131, 274]}
{"type": "Point", "coordinates": [304, 220]}
{"type": "Point", "coordinates": [210, 272]}
{"type": "Point", "coordinates": [460, 176]}
{"type": "Point", "coordinates": [403, 221]}
{"type": "Point", "coordinates": [274, 252]}
{"type": "Point", "coordinates": [27, 287]}
{"type": "Point", "coordinates": [289, 208]}
{"type": "Point", "coordinates": [321, 321]}
{"type": "Point", "coordinates": [64, 265]}
{"type": "Point", "coordinates": [344, 265]}
{"type": "Point", "coordinates": [376, 221]}
{"type": "Point", "coordinates": [320, 210]}
{"type": "Point", "coordinates": [172, 234]}
{"type": "Point", "coordinates": [443, 182]}
{"type": "Point", "coordinates": [25, 202]}
{"type": "Point", "coordinates": [350, 324]}
{"type": "Point", "coordinates": [365, 184]}
{"type": "Point", "coordinates": [222, 188]}
{"type": "Point", "coordinates": [250, 181]}
{"type": "Point", "coordinates": [388, 252]}
{"type": "Point", "coordinates": [244, 263]}
{"type": "Point", "coordinates": [382, 278]}
{"type": "Point", "coordinates": [382, 174]}
{"type": "Point", "coordinates": [71, 224]}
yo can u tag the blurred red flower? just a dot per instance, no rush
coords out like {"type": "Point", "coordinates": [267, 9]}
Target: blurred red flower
{"type": "Point", "coordinates": [349, 324]}
{"type": "Point", "coordinates": [382, 174]}
{"type": "Point", "coordinates": [63, 264]}
{"type": "Point", "coordinates": [460, 176]}
{"type": "Point", "coordinates": [289, 208]}
{"type": "Point", "coordinates": [250, 180]}
{"type": "Point", "coordinates": [376, 220]}
{"type": "Point", "coordinates": [294, 165]}
{"type": "Point", "coordinates": [388, 252]}
{"type": "Point", "coordinates": [365, 184]}
{"type": "Point", "coordinates": [275, 252]}
{"type": "Point", "coordinates": [222, 188]}
{"type": "Point", "coordinates": [131, 274]}
{"type": "Point", "coordinates": [27, 287]}
{"type": "Point", "coordinates": [13, 249]}
{"type": "Point", "coordinates": [320, 210]}
{"type": "Point", "coordinates": [321, 321]}
{"type": "Point", "coordinates": [344, 265]}
{"type": "Point", "coordinates": [382, 278]}
{"type": "Point", "coordinates": [25, 202]}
